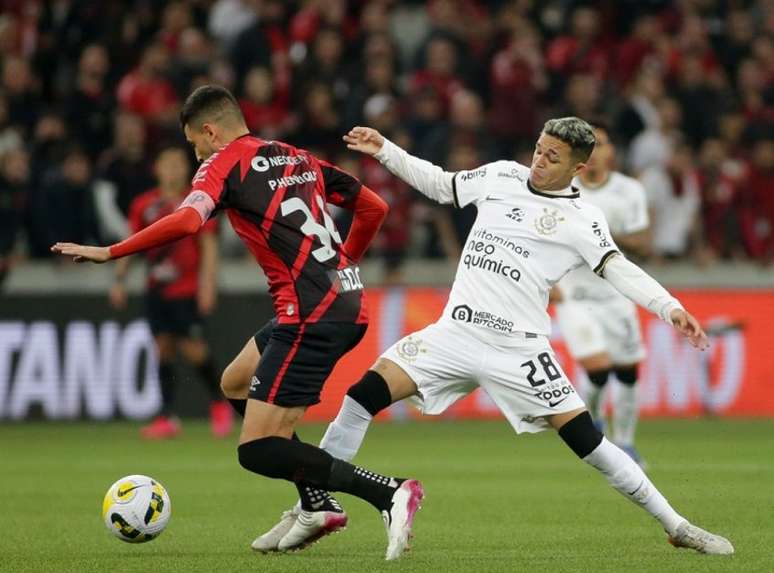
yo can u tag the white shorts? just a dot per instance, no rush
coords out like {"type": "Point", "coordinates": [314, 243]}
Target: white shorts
{"type": "Point", "coordinates": [591, 327]}
{"type": "Point", "coordinates": [447, 363]}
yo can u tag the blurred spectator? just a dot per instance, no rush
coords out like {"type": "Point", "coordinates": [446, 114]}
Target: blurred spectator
{"type": "Point", "coordinates": [757, 210]}
{"type": "Point", "coordinates": [326, 65]}
{"type": "Point", "coordinates": [22, 100]}
{"type": "Point", "coordinates": [379, 80]}
{"type": "Point", "coordinates": [14, 188]}
{"type": "Point", "coordinates": [736, 43]}
{"type": "Point", "coordinates": [673, 199]}
{"type": "Point", "coordinates": [228, 18]}
{"type": "Point", "coordinates": [10, 137]}
{"type": "Point", "coordinates": [319, 124]}
{"type": "Point", "coordinates": [9, 34]}
{"type": "Point", "coordinates": [175, 18]}
{"type": "Point", "coordinates": [466, 127]}
{"type": "Point", "coordinates": [147, 91]}
{"type": "Point", "coordinates": [124, 171]}
{"type": "Point", "coordinates": [90, 105]}
{"type": "Point", "coordinates": [518, 80]}
{"type": "Point", "coordinates": [316, 14]}
{"type": "Point", "coordinates": [732, 129]}
{"type": "Point", "coordinates": [639, 112]}
{"type": "Point", "coordinates": [252, 46]}
{"type": "Point", "coordinates": [220, 72]}
{"type": "Point", "coordinates": [192, 60]}
{"type": "Point", "coordinates": [582, 98]}
{"type": "Point", "coordinates": [265, 109]}
{"type": "Point", "coordinates": [395, 235]}
{"type": "Point", "coordinates": [425, 115]}
{"type": "Point", "coordinates": [583, 50]}
{"type": "Point", "coordinates": [720, 180]}
{"type": "Point", "coordinates": [633, 50]}
{"type": "Point", "coordinates": [61, 209]}
{"type": "Point", "coordinates": [699, 99]}
{"type": "Point", "coordinates": [756, 91]}
{"type": "Point", "coordinates": [439, 72]}
{"type": "Point", "coordinates": [654, 145]}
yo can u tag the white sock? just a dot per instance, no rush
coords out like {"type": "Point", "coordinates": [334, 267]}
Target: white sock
{"type": "Point", "coordinates": [594, 396]}
{"type": "Point", "coordinates": [625, 414]}
{"type": "Point", "coordinates": [629, 479]}
{"type": "Point", "coordinates": [344, 435]}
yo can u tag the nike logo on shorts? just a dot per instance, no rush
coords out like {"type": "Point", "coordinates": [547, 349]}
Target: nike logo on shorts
{"type": "Point", "coordinates": [554, 404]}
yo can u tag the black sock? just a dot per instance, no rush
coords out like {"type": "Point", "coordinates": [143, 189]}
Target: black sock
{"type": "Point", "coordinates": [376, 489]}
{"type": "Point", "coordinates": [314, 499]}
{"type": "Point", "coordinates": [239, 405]}
{"type": "Point", "coordinates": [209, 377]}
{"type": "Point", "coordinates": [298, 462]}
{"type": "Point", "coordinates": [167, 381]}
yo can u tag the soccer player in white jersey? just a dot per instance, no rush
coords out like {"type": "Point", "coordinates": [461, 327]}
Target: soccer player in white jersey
{"type": "Point", "coordinates": [531, 229]}
{"type": "Point", "coordinates": [599, 324]}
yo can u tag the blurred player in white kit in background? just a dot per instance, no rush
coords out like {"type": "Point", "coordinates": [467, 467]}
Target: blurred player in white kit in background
{"type": "Point", "coordinates": [598, 323]}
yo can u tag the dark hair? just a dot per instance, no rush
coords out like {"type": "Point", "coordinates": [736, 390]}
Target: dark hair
{"type": "Point", "coordinates": [575, 132]}
{"type": "Point", "coordinates": [210, 103]}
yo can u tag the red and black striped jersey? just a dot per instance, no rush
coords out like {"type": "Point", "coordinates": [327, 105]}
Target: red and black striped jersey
{"type": "Point", "coordinates": [275, 196]}
{"type": "Point", "coordinates": [173, 269]}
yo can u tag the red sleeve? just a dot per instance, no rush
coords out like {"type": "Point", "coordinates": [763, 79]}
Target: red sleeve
{"type": "Point", "coordinates": [370, 211]}
{"type": "Point", "coordinates": [185, 221]}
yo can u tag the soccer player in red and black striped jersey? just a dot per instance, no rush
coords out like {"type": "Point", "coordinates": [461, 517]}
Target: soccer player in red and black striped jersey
{"type": "Point", "coordinates": [180, 292]}
{"type": "Point", "coordinates": [275, 196]}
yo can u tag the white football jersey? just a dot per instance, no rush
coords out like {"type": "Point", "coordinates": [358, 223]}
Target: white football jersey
{"type": "Point", "coordinates": [624, 204]}
{"type": "Point", "coordinates": [522, 242]}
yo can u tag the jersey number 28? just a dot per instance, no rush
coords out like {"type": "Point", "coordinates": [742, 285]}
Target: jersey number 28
{"type": "Point", "coordinates": [548, 366]}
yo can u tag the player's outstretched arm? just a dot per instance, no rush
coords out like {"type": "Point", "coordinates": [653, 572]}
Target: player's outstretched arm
{"type": "Point", "coordinates": [634, 283]}
{"type": "Point", "coordinates": [689, 327]}
{"type": "Point", "coordinates": [428, 179]}
{"type": "Point", "coordinates": [365, 140]}
{"type": "Point", "coordinates": [82, 253]}
{"type": "Point", "coordinates": [185, 221]}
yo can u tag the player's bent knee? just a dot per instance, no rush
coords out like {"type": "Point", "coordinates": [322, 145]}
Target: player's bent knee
{"type": "Point", "coordinates": [371, 392]}
{"type": "Point", "coordinates": [581, 435]}
{"type": "Point", "coordinates": [234, 382]}
{"type": "Point", "coordinates": [626, 374]}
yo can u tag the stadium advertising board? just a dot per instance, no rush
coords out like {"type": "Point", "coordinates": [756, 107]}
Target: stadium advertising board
{"type": "Point", "coordinates": [72, 357]}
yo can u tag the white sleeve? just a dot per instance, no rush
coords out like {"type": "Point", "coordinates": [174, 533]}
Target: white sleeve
{"type": "Point", "coordinates": [428, 179]}
{"type": "Point", "coordinates": [637, 215]}
{"type": "Point", "coordinates": [638, 286]}
{"type": "Point", "coordinates": [594, 242]}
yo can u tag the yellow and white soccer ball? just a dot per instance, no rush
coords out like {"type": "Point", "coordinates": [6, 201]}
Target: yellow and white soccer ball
{"type": "Point", "coordinates": [136, 509]}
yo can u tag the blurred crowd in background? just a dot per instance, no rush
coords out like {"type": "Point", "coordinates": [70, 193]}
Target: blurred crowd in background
{"type": "Point", "coordinates": [90, 92]}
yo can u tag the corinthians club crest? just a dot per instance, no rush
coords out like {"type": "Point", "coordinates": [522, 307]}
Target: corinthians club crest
{"type": "Point", "coordinates": [410, 349]}
{"type": "Point", "coordinates": [546, 224]}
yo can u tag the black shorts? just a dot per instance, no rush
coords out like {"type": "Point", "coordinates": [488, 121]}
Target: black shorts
{"type": "Point", "coordinates": [296, 360]}
{"type": "Point", "coordinates": [175, 316]}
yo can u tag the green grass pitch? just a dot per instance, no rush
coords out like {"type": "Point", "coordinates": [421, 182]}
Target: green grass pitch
{"type": "Point", "coordinates": [495, 501]}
